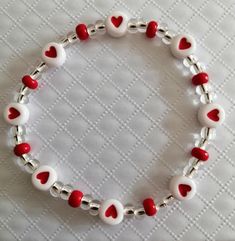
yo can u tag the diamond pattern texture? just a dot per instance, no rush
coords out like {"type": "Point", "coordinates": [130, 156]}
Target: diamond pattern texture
{"type": "Point", "coordinates": [117, 119]}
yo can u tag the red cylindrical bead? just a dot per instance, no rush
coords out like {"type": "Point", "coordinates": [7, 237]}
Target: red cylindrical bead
{"type": "Point", "coordinates": [75, 198]}
{"type": "Point", "coordinates": [151, 29]}
{"type": "Point", "coordinates": [29, 82]}
{"type": "Point", "coordinates": [21, 149]}
{"type": "Point", "coordinates": [149, 207]}
{"type": "Point", "coordinates": [81, 31]}
{"type": "Point", "coordinates": [200, 154]}
{"type": "Point", "coordinates": [200, 78]}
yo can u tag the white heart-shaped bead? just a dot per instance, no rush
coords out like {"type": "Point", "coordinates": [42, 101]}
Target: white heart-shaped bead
{"type": "Point", "coordinates": [16, 114]}
{"type": "Point", "coordinates": [111, 212]}
{"type": "Point", "coordinates": [44, 177]}
{"type": "Point", "coordinates": [182, 188]}
{"type": "Point", "coordinates": [183, 45]}
{"type": "Point", "coordinates": [54, 54]}
{"type": "Point", "coordinates": [211, 115]}
{"type": "Point", "coordinates": [116, 24]}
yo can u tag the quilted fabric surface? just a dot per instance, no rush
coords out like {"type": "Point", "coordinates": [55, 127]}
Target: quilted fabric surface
{"type": "Point", "coordinates": [117, 120]}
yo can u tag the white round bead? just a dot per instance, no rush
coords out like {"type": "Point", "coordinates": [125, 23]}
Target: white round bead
{"type": "Point", "coordinates": [44, 177]}
{"type": "Point", "coordinates": [111, 212]}
{"type": "Point", "coordinates": [54, 54]}
{"type": "Point", "coordinates": [211, 115]}
{"type": "Point", "coordinates": [16, 114]}
{"type": "Point", "coordinates": [116, 24]}
{"type": "Point", "coordinates": [182, 46]}
{"type": "Point", "coordinates": [182, 188]}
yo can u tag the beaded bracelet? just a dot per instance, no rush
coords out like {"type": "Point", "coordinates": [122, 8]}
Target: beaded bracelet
{"type": "Point", "coordinates": [111, 211]}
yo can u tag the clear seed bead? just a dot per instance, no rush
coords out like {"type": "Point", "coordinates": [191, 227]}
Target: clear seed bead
{"type": "Point", "coordinates": [142, 25]}
{"type": "Point", "coordinates": [139, 212]}
{"type": "Point", "coordinates": [202, 143]}
{"type": "Point", "coordinates": [191, 59]}
{"type": "Point", "coordinates": [168, 200]}
{"type": "Point", "coordinates": [132, 25]}
{"type": "Point", "coordinates": [208, 98]}
{"type": "Point", "coordinates": [194, 165]}
{"type": "Point", "coordinates": [168, 37]}
{"type": "Point", "coordinates": [66, 191]}
{"type": "Point", "coordinates": [23, 90]}
{"type": "Point", "coordinates": [94, 207]}
{"type": "Point", "coordinates": [40, 68]}
{"type": "Point", "coordinates": [72, 37]}
{"type": "Point", "coordinates": [69, 39]}
{"type": "Point", "coordinates": [202, 89]}
{"type": "Point", "coordinates": [56, 188]}
{"type": "Point", "coordinates": [192, 171]}
{"type": "Point", "coordinates": [86, 200]}
{"type": "Point", "coordinates": [197, 68]}
{"type": "Point", "coordinates": [64, 41]}
{"type": "Point", "coordinates": [162, 29]}
{"type": "Point", "coordinates": [22, 99]}
{"type": "Point", "coordinates": [91, 29]}
{"type": "Point", "coordinates": [16, 140]}
{"type": "Point", "coordinates": [100, 27]}
{"type": "Point", "coordinates": [17, 131]}
{"type": "Point", "coordinates": [129, 210]}
{"type": "Point", "coordinates": [32, 165]}
{"type": "Point", "coordinates": [209, 133]}
{"type": "Point", "coordinates": [22, 160]}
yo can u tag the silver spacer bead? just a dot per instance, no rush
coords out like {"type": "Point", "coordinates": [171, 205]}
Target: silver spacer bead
{"type": "Point", "coordinates": [129, 210]}
{"type": "Point", "coordinates": [86, 200]}
{"type": "Point", "coordinates": [66, 191]}
{"type": "Point", "coordinates": [100, 27]}
{"type": "Point", "coordinates": [139, 212]}
{"type": "Point", "coordinates": [56, 188]}
{"type": "Point", "coordinates": [94, 207]}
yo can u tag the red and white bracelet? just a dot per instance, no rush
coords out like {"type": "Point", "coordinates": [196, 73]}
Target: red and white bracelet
{"type": "Point", "coordinates": [111, 211]}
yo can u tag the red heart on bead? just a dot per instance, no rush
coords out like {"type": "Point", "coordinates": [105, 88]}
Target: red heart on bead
{"type": "Point", "coordinates": [214, 115]}
{"type": "Point", "coordinates": [29, 82]}
{"type": "Point", "coordinates": [116, 21]}
{"type": "Point", "coordinates": [51, 53]}
{"type": "Point", "coordinates": [111, 212]}
{"type": "Point", "coordinates": [43, 177]}
{"type": "Point", "coordinates": [13, 113]}
{"type": "Point", "coordinates": [184, 189]}
{"type": "Point", "coordinates": [184, 44]}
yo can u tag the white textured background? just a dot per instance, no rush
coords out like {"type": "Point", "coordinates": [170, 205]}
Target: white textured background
{"type": "Point", "coordinates": [116, 120]}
